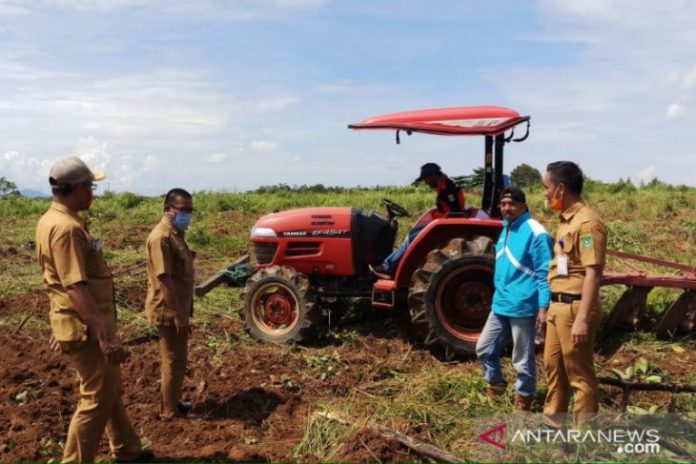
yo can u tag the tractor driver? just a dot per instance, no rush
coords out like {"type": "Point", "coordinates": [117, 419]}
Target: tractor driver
{"type": "Point", "coordinates": [450, 199]}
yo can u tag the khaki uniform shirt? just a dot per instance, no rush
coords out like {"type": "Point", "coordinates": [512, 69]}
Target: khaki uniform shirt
{"type": "Point", "coordinates": [167, 253]}
{"type": "Point", "coordinates": [68, 254]}
{"type": "Point", "coordinates": [582, 236]}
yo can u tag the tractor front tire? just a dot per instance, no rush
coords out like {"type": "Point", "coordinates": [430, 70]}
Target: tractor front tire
{"type": "Point", "coordinates": [280, 305]}
{"type": "Point", "coordinates": [450, 295]}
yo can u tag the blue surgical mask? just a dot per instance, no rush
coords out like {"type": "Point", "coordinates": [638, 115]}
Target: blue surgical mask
{"type": "Point", "coordinates": [182, 220]}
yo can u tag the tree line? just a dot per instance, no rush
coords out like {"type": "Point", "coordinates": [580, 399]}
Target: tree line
{"type": "Point", "coordinates": [523, 176]}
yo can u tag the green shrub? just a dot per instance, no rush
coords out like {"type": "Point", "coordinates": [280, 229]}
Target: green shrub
{"type": "Point", "coordinates": [23, 206]}
{"type": "Point", "coordinates": [129, 200]}
{"type": "Point", "coordinates": [198, 236]}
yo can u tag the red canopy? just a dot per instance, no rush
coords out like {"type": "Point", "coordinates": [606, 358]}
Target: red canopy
{"type": "Point", "coordinates": [467, 120]}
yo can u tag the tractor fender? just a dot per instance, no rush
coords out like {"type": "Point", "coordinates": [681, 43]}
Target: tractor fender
{"type": "Point", "coordinates": [437, 234]}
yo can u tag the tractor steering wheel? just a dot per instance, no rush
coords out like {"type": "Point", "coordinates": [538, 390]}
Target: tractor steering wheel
{"type": "Point", "coordinates": [394, 209]}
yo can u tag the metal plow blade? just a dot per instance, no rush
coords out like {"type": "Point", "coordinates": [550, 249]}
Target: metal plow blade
{"type": "Point", "coordinates": [680, 317]}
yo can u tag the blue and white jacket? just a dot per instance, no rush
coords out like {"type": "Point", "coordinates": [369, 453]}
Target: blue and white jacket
{"type": "Point", "coordinates": [522, 257]}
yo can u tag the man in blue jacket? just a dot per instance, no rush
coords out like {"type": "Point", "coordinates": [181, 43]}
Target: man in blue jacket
{"type": "Point", "coordinates": [521, 298]}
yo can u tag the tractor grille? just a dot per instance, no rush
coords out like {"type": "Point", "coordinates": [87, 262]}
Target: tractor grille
{"type": "Point", "coordinates": [302, 248]}
{"type": "Point", "coordinates": [264, 252]}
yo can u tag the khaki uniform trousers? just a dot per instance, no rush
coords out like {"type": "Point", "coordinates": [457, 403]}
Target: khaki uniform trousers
{"type": "Point", "coordinates": [100, 406]}
{"type": "Point", "coordinates": [173, 356]}
{"type": "Point", "coordinates": [569, 366]}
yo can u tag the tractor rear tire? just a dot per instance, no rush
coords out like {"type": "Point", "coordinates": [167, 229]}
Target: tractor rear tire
{"type": "Point", "coordinates": [280, 305]}
{"type": "Point", "coordinates": [450, 295]}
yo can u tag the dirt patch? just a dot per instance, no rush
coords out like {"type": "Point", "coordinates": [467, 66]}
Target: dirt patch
{"type": "Point", "coordinates": [250, 404]}
{"type": "Point", "coordinates": [35, 303]}
{"type": "Point", "coordinates": [134, 236]}
{"type": "Point", "coordinates": [39, 393]}
{"type": "Point", "coordinates": [130, 296]}
{"type": "Point", "coordinates": [368, 446]}
{"type": "Point", "coordinates": [665, 360]}
{"type": "Point", "coordinates": [37, 396]}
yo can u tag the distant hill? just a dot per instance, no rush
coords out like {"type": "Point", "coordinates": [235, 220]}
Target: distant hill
{"type": "Point", "coordinates": [34, 193]}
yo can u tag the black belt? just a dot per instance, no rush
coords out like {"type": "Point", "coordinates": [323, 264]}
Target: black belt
{"type": "Point", "coordinates": [564, 297]}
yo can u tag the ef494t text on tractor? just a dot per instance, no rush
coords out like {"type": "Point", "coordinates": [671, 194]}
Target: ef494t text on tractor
{"type": "Point", "coordinates": [309, 256]}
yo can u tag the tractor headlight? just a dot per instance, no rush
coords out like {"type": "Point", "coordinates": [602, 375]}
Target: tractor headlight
{"type": "Point", "coordinates": [262, 232]}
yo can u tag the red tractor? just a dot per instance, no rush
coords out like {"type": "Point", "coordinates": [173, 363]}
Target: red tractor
{"type": "Point", "coordinates": [312, 255]}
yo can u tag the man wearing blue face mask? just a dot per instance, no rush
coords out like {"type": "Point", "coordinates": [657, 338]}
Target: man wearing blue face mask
{"type": "Point", "coordinates": [169, 302]}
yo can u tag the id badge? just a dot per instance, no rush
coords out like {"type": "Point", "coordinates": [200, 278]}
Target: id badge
{"type": "Point", "coordinates": [562, 265]}
{"type": "Point", "coordinates": [96, 244]}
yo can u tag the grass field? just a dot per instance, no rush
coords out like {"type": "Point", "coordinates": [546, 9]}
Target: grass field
{"type": "Point", "coordinates": [358, 373]}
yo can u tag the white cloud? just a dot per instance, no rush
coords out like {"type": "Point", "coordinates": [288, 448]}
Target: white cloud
{"type": "Point", "coordinates": [302, 4]}
{"type": "Point", "coordinates": [621, 13]}
{"type": "Point", "coordinates": [25, 171]}
{"type": "Point", "coordinates": [87, 5]}
{"type": "Point", "coordinates": [128, 124]}
{"type": "Point", "coordinates": [162, 102]}
{"type": "Point", "coordinates": [270, 104]}
{"type": "Point", "coordinates": [620, 94]}
{"type": "Point", "coordinates": [124, 170]}
{"type": "Point", "coordinates": [675, 111]}
{"type": "Point", "coordinates": [226, 10]}
{"type": "Point", "coordinates": [8, 8]}
{"type": "Point", "coordinates": [647, 174]}
{"type": "Point", "coordinates": [217, 158]}
{"type": "Point", "coordinates": [682, 78]}
{"type": "Point", "coordinates": [263, 146]}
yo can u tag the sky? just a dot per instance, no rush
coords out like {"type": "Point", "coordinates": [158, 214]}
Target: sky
{"type": "Point", "coordinates": [234, 94]}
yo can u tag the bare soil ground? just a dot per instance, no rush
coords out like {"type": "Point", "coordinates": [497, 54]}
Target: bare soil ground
{"type": "Point", "coordinates": [249, 405]}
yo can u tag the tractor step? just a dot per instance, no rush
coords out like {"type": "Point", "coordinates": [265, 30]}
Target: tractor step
{"type": "Point", "coordinates": [384, 294]}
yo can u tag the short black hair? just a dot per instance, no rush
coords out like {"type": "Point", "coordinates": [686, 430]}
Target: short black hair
{"type": "Point", "coordinates": [173, 194]}
{"type": "Point", "coordinates": [568, 174]}
{"type": "Point", "coordinates": [63, 190]}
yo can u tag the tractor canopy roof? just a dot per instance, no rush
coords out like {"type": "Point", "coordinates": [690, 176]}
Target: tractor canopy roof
{"type": "Point", "coordinates": [465, 120]}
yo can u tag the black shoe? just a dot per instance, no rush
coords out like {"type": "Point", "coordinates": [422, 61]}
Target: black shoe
{"type": "Point", "coordinates": [184, 408]}
{"type": "Point", "coordinates": [380, 271]}
{"type": "Point", "coordinates": [145, 456]}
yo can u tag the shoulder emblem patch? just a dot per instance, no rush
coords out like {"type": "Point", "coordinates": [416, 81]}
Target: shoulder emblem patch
{"type": "Point", "coordinates": [586, 241]}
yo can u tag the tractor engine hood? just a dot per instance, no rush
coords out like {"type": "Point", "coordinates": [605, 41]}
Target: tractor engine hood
{"type": "Point", "coordinates": [304, 223]}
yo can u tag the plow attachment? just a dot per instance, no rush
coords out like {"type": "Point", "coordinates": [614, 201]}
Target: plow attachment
{"type": "Point", "coordinates": [234, 275]}
{"type": "Point", "coordinates": [678, 319]}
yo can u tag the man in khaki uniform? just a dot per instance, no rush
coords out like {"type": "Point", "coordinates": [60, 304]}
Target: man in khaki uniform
{"type": "Point", "coordinates": [575, 311]}
{"type": "Point", "coordinates": [169, 302]}
{"type": "Point", "coordinates": [83, 316]}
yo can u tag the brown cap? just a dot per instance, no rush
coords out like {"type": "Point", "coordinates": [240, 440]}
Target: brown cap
{"type": "Point", "coordinates": [71, 171]}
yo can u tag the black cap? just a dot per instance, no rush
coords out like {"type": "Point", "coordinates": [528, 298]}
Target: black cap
{"type": "Point", "coordinates": [513, 193]}
{"type": "Point", "coordinates": [428, 169]}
